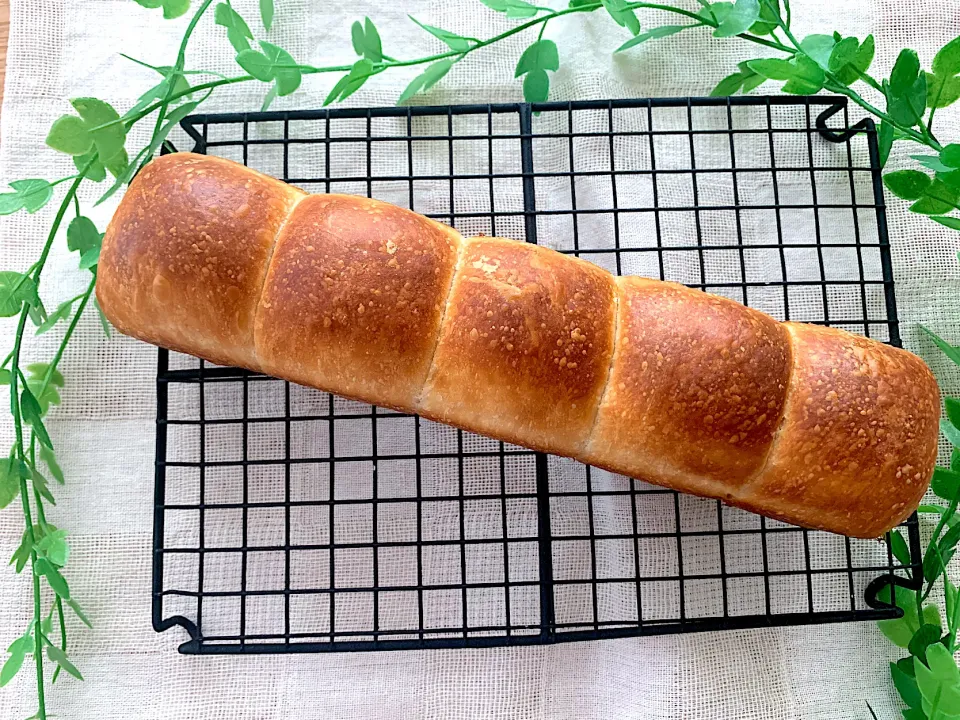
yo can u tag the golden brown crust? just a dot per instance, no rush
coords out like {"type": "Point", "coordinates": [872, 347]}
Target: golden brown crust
{"type": "Point", "coordinates": [525, 346]}
{"type": "Point", "coordinates": [696, 391]}
{"type": "Point", "coordinates": [859, 437]}
{"type": "Point", "coordinates": [809, 425]}
{"type": "Point", "coordinates": [353, 299]}
{"type": "Point", "coordinates": [185, 255]}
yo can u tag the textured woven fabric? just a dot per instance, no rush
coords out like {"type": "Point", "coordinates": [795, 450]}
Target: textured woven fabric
{"type": "Point", "coordinates": [105, 428]}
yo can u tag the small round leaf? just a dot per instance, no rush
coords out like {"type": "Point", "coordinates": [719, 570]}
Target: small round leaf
{"type": "Point", "coordinates": [907, 184]}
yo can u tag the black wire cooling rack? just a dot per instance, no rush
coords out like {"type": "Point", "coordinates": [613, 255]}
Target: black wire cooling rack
{"type": "Point", "coordinates": [287, 519]}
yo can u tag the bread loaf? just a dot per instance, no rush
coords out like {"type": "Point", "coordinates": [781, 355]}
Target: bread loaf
{"type": "Point", "coordinates": [810, 425]}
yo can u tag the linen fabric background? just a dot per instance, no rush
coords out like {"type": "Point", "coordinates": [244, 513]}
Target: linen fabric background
{"type": "Point", "coordinates": [105, 428]}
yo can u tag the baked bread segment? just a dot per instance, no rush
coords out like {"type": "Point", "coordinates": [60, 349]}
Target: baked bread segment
{"type": "Point", "coordinates": [525, 347]}
{"type": "Point", "coordinates": [696, 390]}
{"type": "Point", "coordinates": [184, 258]}
{"type": "Point", "coordinates": [653, 380]}
{"type": "Point", "coordinates": [353, 299]}
{"type": "Point", "coordinates": [859, 437]}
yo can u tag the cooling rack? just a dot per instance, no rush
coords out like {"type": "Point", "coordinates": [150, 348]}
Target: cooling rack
{"type": "Point", "coordinates": [287, 519]}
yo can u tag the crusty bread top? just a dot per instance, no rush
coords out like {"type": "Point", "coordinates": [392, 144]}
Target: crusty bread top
{"type": "Point", "coordinates": [188, 248]}
{"type": "Point", "coordinates": [354, 297]}
{"type": "Point", "coordinates": [696, 390]}
{"type": "Point", "coordinates": [653, 380]}
{"type": "Point", "coordinates": [859, 435]}
{"type": "Point", "coordinates": [525, 346]}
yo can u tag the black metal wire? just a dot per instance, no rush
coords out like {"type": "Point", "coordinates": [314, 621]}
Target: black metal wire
{"type": "Point", "coordinates": [674, 564]}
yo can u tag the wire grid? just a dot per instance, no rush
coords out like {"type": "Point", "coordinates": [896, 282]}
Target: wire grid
{"type": "Point", "coordinates": [288, 519]}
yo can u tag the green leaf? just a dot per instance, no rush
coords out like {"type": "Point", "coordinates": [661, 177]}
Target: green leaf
{"type": "Point", "coordinates": [268, 99]}
{"type": "Point", "coordinates": [46, 454]}
{"type": "Point", "coordinates": [728, 86]}
{"type": "Point", "coordinates": [905, 72]}
{"type": "Point", "coordinates": [898, 547]}
{"type": "Point", "coordinates": [950, 596]}
{"type": "Point", "coordinates": [13, 664]}
{"type": "Point", "coordinates": [842, 54]}
{"type": "Point", "coordinates": [266, 13]}
{"type": "Point", "coordinates": [288, 78]}
{"type": "Point", "coordinates": [769, 19]}
{"type": "Point", "coordinates": [900, 630]}
{"type": "Point", "coordinates": [931, 162]}
{"type": "Point", "coordinates": [514, 9]}
{"type": "Point", "coordinates": [78, 611]}
{"type": "Point", "coordinates": [909, 109]}
{"type": "Point", "coordinates": [907, 184]}
{"type": "Point", "coordinates": [937, 199]}
{"type": "Point", "coordinates": [947, 61]}
{"type": "Point", "coordinates": [809, 78]}
{"type": "Point", "coordinates": [82, 235]}
{"type": "Point", "coordinates": [373, 48]}
{"type": "Point", "coordinates": [174, 8]}
{"type": "Point", "coordinates": [860, 63]}
{"type": "Point", "coordinates": [939, 554]}
{"type": "Point", "coordinates": [21, 555]}
{"type": "Point", "coordinates": [57, 582]}
{"type": "Point", "coordinates": [9, 483]}
{"type": "Point", "coordinates": [906, 686]}
{"type": "Point", "coordinates": [914, 713]}
{"type": "Point", "coordinates": [32, 413]}
{"type": "Point", "coordinates": [950, 155]}
{"type": "Point", "coordinates": [104, 323]}
{"type": "Point", "coordinates": [925, 636]}
{"type": "Point", "coordinates": [621, 14]}
{"type": "Point", "coordinates": [60, 658]}
{"type": "Point", "coordinates": [536, 86]}
{"type": "Point", "coordinates": [425, 80]}
{"type": "Point", "coordinates": [40, 483]}
{"type": "Point", "coordinates": [69, 134]}
{"type": "Point", "coordinates": [942, 91]}
{"type": "Point", "coordinates": [54, 547]}
{"type": "Point", "coordinates": [946, 483]}
{"type": "Point", "coordinates": [951, 222]}
{"type": "Point", "coordinates": [90, 258]}
{"type": "Point", "coordinates": [947, 349]}
{"type": "Point", "coordinates": [942, 664]}
{"type": "Point", "coordinates": [33, 193]}
{"type": "Point", "coordinates": [118, 164]}
{"type": "Point", "coordinates": [819, 48]}
{"type": "Point", "coordinates": [96, 172]}
{"type": "Point", "coordinates": [907, 90]}
{"type": "Point", "coordinates": [357, 37]}
{"type": "Point", "coordinates": [952, 406]}
{"type": "Point", "coordinates": [541, 55]}
{"type": "Point", "coordinates": [108, 140]}
{"type": "Point", "coordinates": [5, 376]}
{"type": "Point", "coordinates": [738, 19]}
{"type": "Point", "coordinates": [15, 290]}
{"type": "Point", "coordinates": [654, 34]}
{"type": "Point", "coordinates": [256, 64]}
{"type": "Point", "coordinates": [453, 41]}
{"type": "Point", "coordinates": [352, 81]}
{"type": "Point", "coordinates": [238, 32]}
{"type": "Point", "coordinates": [773, 68]}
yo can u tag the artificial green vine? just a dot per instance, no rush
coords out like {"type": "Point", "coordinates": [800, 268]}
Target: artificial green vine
{"type": "Point", "coordinates": [95, 136]}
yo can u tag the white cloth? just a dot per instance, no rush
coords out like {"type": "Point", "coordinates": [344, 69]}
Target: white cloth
{"type": "Point", "coordinates": [105, 428]}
